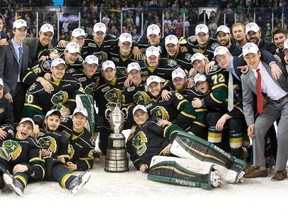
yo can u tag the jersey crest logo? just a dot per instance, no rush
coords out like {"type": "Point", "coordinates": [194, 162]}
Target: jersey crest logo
{"type": "Point", "coordinates": [10, 150]}
{"type": "Point", "coordinates": [131, 89]}
{"type": "Point", "coordinates": [59, 97]}
{"type": "Point", "coordinates": [89, 89]}
{"type": "Point", "coordinates": [2, 110]}
{"type": "Point", "coordinates": [141, 98]}
{"type": "Point", "coordinates": [188, 57]}
{"type": "Point", "coordinates": [171, 63]}
{"type": "Point", "coordinates": [160, 112]}
{"type": "Point", "coordinates": [139, 142]}
{"type": "Point", "coordinates": [48, 143]}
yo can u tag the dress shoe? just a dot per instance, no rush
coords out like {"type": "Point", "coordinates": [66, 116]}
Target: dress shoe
{"type": "Point", "coordinates": [256, 172]}
{"type": "Point", "coordinates": [279, 176]}
{"type": "Point", "coordinates": [249, 169]}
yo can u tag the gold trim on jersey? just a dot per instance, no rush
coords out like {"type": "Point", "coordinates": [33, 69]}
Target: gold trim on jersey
{"type": "Point", "coordinates": [34, 106]}
{"type": "Point", "coordinates": [64, 179]}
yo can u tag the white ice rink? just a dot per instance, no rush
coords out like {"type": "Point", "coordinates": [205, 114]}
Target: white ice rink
{"type": "Point", "coordinates": [130, 193]}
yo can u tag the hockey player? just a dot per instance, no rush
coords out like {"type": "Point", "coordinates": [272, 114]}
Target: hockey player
{"type": "Point", "coordinates": [88, 76]}
{"type": "Point", "coordinates": [54, 150]}
{"type": "Point", "coordinates": [153, 38]}
{"type": "Point", "coordinates": [219, 117]}
{"type": "Point", "coordinates": [198, 62]}
{"type": "Point", "coordinates": [154, 65]}
{"type": "Point", "coordinates": [137, 84]}
{"type": "Point", "coordinates": [122, 55]}
{"type": "Point", "coordinates": [107, 95]}
{"type": "Point", "coordinates": [180, 83]}
{"type": "Point", "coordinates": [201, 43]}
{"type": "Point", "coordinates": [177, 110]}
{"type": "Point", "coordinates": [78, 36]}
{"type": "Point", "coordinates": [101, 43]}
{"type": "Point", "coordinates": [39, 102]}
{"type": "Point", "coordinates": [81, 147]}
{"type": "Point", "coordinates": [224, 38]}
{"type": "Point", "coordinates": [148, 137]}
{"type": "Point", "coordinates": [20, 158]}
{"type": "Point", "coordinates": [172, 51]}
{"type": "Point", "coordinates": [129, 93]}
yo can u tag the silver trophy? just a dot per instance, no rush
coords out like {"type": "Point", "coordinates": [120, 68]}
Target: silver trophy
{"type": "Point", "coordinates": [116, 159]}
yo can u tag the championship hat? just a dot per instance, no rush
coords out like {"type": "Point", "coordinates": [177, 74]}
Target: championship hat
{"type": "Point", "coordinates": [201, 28]}
{"type": "Point", "coordinates": [250, 48]}
{"type": "Point", "coordinates": [139, 107]}
{"type": "Point", "coordinates": [99, 27]}
{"type": "Point", "coordinates": [178, 72]}
{"type": "Point", "coordinates": [83, 111]}
{"type": "Point", "coordinates": [108, 64]}
{"type": "Point", "coordinates": [47, 28]}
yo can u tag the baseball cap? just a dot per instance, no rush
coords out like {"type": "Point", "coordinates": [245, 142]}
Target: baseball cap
{"type": "Point", "coordinates": [53, 111]}
{"type": "Point", "coordinates": [19, 23]}
{"type": "Point", "coordinates": [91, 59]}
{"type": "Point", "coordinates": [57, 61]}
{"type": "Point", "coordinates": [78, 32]}
{"type": "Point", "coordinates": [220, 50]}
{"type": "Point", "coordinates": [73, 47]}
{"type": "Point", "coordinates": [171, 39]}
{"type": "Point", "coordinates": [223, 28]}
{"type": "Point", "coordinates": [152, 50]}
{"type": "Point", "coordinates": [153, 78]}
{"type": "Point", "coordinates": [99, 27]}
{"type": "Point", "coordinates": [197, 56]}
{"type": "Point", "coordinates": [108, 64]}
{"type": "Point", "coordinates": [1, 82]}
{"type": "Point", "coordinates": [125, 37]}
{"type": "Point", "coordinates": [178, 72]}
{"type": "Point", "coordinates": [47, 28]}
{"type": "Point", "coordinates": [153, 29]}
{"type": "Point", "coordinates": [285, 44]}
{"type": "Point", "coordinates": [139, 107]}
{"type": "Point", "coordinates": [250, 48]}
{"type": "Point", "coordinates": [201, 28]}
{"type": "Point", "coordinates": [252, 26]}
{"type": "Point", "coordinates": [199, 78]}
{"type": "Point", "coordinates": [83, 111]}
{"type": "Point", "coordinates": [133, 66]}
{"type": "Point", "coordinates": [27, 120]}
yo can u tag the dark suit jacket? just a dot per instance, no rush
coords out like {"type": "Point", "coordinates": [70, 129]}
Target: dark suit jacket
{"type": "Point", "coordinates": [32, 43]}
{"type": "Point", "coordinates": [9, 66]}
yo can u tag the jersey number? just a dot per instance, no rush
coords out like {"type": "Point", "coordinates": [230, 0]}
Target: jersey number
{"type": "Point", "coordinates": [29, 98]}
{"type": "Point", "coordinates": [218, 78]}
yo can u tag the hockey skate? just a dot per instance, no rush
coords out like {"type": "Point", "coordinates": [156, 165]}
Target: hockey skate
{"type": "Point", "coordinates": [13, 183]}
{"type": "Point", "coordinates": [79, 182]}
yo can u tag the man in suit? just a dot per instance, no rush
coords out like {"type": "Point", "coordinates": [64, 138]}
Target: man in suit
{"type": "Point", "coordinates": [259, 80]}
{"type": "Point", "coordinates": [38, 45]}
{"type": "Point", "coordinates": [15, 58]}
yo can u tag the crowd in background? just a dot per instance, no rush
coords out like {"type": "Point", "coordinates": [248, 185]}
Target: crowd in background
{"type": "Point", "coordinates": [173, 15]}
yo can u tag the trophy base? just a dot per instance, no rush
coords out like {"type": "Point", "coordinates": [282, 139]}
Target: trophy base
{"type": "Point", "coordinates": [117, 154]}
{"type": "Point", "coordinates": [116, 141]}
{"type": "Point", "coordinates": [116, 165]}
{"type": "Point", "coordinates": [116, 158]}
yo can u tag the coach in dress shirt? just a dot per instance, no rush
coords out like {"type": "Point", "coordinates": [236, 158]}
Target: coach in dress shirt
{"type": "Point", "coordinates": [275, 106]}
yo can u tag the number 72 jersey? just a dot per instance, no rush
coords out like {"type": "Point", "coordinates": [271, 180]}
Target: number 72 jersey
{"type": "Point", "coordinates": [218, 80]}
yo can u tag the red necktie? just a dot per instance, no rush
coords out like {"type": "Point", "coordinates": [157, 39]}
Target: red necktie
{"type": "Point", "coordinates": [259, 92]}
